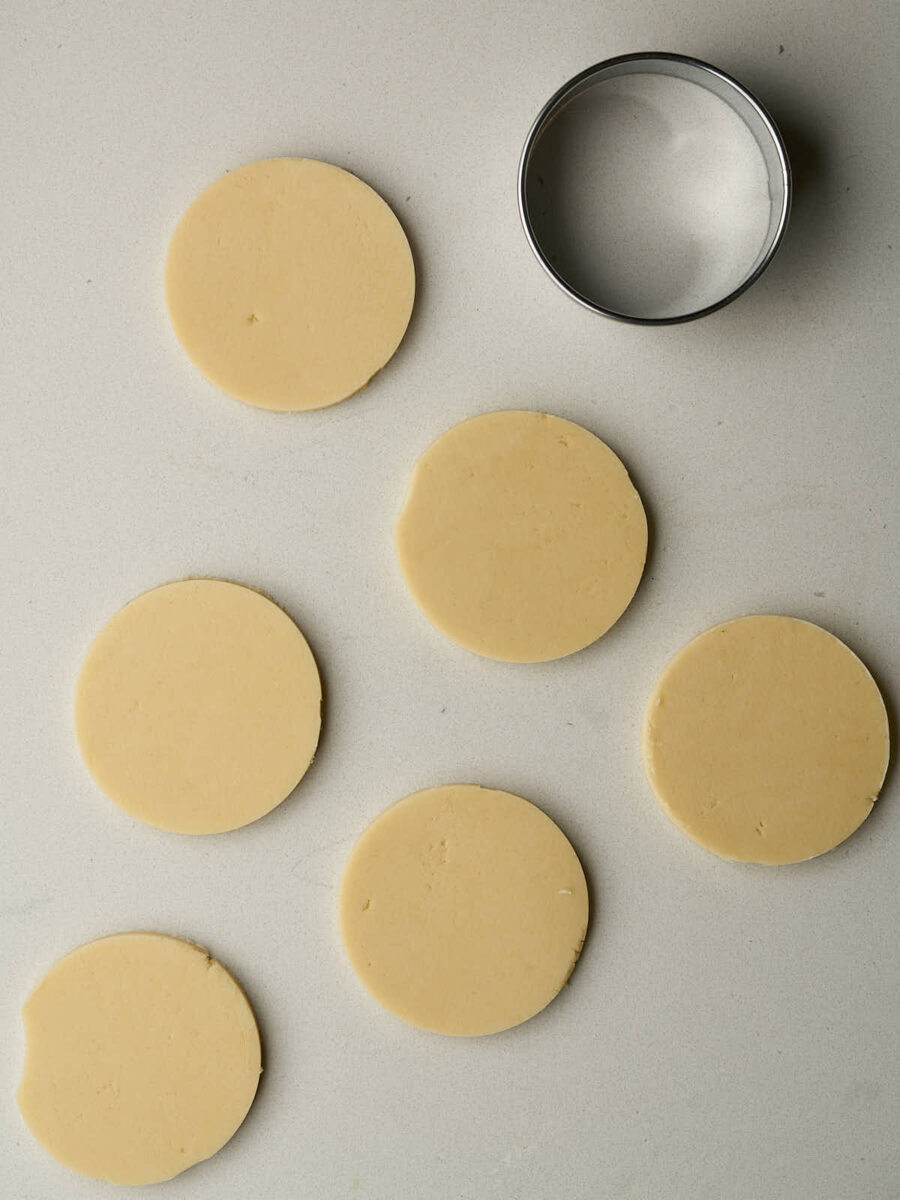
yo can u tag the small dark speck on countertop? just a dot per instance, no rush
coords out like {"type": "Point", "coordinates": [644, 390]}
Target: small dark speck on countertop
{"type": "Point", "coordinates": [718, 422]}
{"type": "Point", "coordinates": [407, 197]}
{"type": "Point", "coordinates": [821, 595]}
{"type": "Point", "coordinates": [444, 709]}
{"type": "Point", "coordinates": [781, 49]}
{"type": "Point", "coordinates": [571, 724]}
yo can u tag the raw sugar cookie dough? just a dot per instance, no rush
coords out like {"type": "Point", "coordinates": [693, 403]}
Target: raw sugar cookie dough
{"type": "Point", "coordinates": [142, 1058]}
{"type": "Point", "coordinates": [521, 536]}
{"type": "Point", "coordinates": [766, 740]}
{"type": "Point", "coordinates": [198, 706]}
{"type": "Point", "coordinates": [289, 283]}
{"type": "Point", "coordinates": [463, 910]}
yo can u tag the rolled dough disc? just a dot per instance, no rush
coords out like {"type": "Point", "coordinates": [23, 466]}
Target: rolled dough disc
{"type": "Point", "coordinates": [289, 283]}
{"type": "Point", "coordinates": [521, 536]}
{"type": "Point", "coordinates": [198, 706]}
{"type": "Point", "coordinates": [766, 740]}
{"type": "Point", "coordinates": [463, 910]}
{"type": "Point", "coordinates": [142, 1058]}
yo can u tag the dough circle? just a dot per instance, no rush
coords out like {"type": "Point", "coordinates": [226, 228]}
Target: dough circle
{"type": "Point", "coordinates": [198, 706]}
{"type": "Point", "coordinates": [766, 740]}
{"type": "Point", "coordinates": [289, 283]}
{"type": "Point", "coordinates": [521, 536]}
{"type": "Point", "coordinates": [463, 910]}
{"type": "Point", "coordinates": [142, 1058]}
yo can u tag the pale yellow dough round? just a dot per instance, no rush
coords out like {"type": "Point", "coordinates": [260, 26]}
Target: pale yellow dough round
{"type": "Point", "coordinates": [142, 1058]}
{"type": "Point", "coordinates": [521, 536]}
{"type": "Point", "coordinates": [463, 910]}
{"type": "Point", "coordinates": [198, 706]}
{"type": "Point", "coordinates": [289, 283]}
{"type": "Point", "coordinates": [766, 740]}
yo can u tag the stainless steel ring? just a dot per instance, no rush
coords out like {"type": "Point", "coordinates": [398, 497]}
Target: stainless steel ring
{"type": "Point", "coordinates": [747, 107]}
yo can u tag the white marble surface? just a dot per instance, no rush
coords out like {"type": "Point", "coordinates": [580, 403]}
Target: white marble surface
{"type": "Point", "coordinates": [731, 1032]}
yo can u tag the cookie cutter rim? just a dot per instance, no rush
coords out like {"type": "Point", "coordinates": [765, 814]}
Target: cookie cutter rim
{"type": "Point", "coordinates": [595, 73]}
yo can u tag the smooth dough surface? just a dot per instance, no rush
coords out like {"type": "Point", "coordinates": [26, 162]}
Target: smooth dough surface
{"type": "Point", "coordinates": [766, 740]}
{"type": "Point", "coordinates": [289, 283]}
{"type": "Point", "coordinates": [142, 1058]}
{"type": "Point", "coordinates": [198, 706]}
{"type": "Point", "coordinates": [521, 536]}
{"type": "Point", "coordinates": [463, 910]}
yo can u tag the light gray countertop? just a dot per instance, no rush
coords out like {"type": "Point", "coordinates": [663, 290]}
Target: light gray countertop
{"type": "Point", "coordinates": [731, 1033]}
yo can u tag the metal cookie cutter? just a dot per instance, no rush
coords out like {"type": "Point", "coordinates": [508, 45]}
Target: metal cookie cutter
{"type": "Point", "coordinates": [532, 193]}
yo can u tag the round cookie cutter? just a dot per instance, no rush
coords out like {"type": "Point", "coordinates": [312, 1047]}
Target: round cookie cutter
{"type": "Point", "coordinates": [735, 95]}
